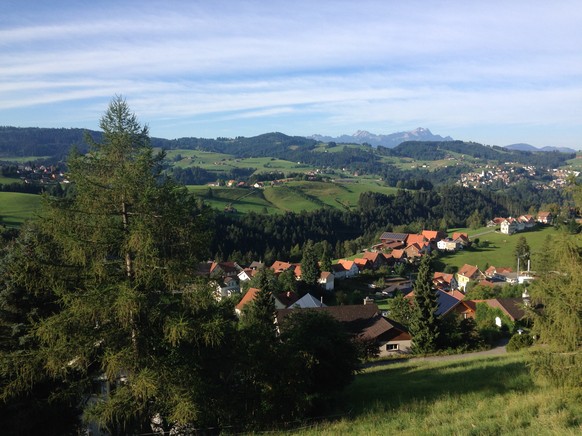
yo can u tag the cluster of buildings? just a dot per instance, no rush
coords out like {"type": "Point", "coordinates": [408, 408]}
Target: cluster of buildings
{"type": "Point", "coordinates": [365, 320]}
{"type": "Point", "coordinates": [510, 225]}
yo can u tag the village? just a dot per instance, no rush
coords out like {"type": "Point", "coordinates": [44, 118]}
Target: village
{"type": "Point", "coordinates": [394, 253]}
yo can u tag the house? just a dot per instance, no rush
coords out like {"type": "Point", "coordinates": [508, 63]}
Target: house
{"type": "Point", "coordinates": [246, 274]}
{"type": "Point", "coordinates": [247, 298]}
{"type": "Point", "coordinates": [514, 308]}
{"type": "Point", "coordinates": [495, 222]}
{"type": "Point", "coordinates": [528, 221]}
{"type": "Point", "coordinates": [308, 301]}
{"type": "Point", "coordinates": [461, 239]}
{"type": "Point", "coordinates": [338, 271]}
{"type": "Point", "coordinates": [351, 267]}
{"type": "Point", "coordinates": [398, 255]}
{"type": "Point", "coordinates": [226, 287]}
{"type": "Point", "coordinates": [278, 267]}
{"type": "Point", "coordinates": [376, 259]}
{"type": "Point", "coordinates": [466, 274]}
{"type": "Point", "coordinates": [327, 280]}
{"type": "Point", "coordinates": [366, 323]}
{"type": "Point", "coordinates": [420, 241]}
{"type": "Point", "coordinates": [362, 263]}
{"type": "Point", "coordinates": [444, 281]}
{"type": "Point", "coordinates": [446, 302]}
{"type": "Point", "coordinates": [285, 299]}
{"type": "Point", "coordinates": [414, 252]}
{"type": "Point", "coordinates": [509, 226]}
{"type": "Point", "coordinates": [447, 244]}
{"type": "Point", "coordinates": [433, 235]}
{"type": "Point", "coordinates": [545, 217]}
{"type": "Point", "coordinates": [389, 237]}
{"type": "Point", "coordinates": [224, 269]}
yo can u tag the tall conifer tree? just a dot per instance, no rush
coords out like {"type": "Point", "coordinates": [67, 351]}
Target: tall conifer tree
{"type": "Point", "coordinates": [424, 324]}
{"type": "Point", "coordinates": [126, 242]}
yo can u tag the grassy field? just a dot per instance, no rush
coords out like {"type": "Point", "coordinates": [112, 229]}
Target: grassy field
{"type": "Point", "coordinates": [15, 207]}
{"type": "Point", "coordinates": [9, 180]}
{"type": "Point", "coordinates": [500, 249]}
{"type": "Point", "coordinates": [477, 396]}
{"type": "Point", "coordinates": [293, 196]}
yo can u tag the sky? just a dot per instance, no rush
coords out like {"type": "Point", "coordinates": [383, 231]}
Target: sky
{"type": "Point", "coordinates": [493, 72]}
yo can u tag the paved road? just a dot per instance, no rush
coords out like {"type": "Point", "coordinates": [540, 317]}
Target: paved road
{"type": "Point", "coordinates": [499, 349]}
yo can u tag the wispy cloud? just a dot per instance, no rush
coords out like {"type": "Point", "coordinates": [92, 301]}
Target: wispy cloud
{"type": "Point", "coordinates": [347, 65]}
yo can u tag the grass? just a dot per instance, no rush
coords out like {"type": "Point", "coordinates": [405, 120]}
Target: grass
{"type": "Point", "coordinates": [477, 396]}
{"type": "Point", "coordinates": [16, 207]}
{"type": "Point", "coordinates": [500, 249]}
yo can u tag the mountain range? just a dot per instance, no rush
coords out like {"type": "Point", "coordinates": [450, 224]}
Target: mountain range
{"type": "Point", "coordinates": [528, 147]}
{"type": "Point", "coordinates": [391, 140]}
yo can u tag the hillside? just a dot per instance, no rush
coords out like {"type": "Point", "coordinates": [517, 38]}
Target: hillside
{"type": "Point", "coordinates": [491, 395]}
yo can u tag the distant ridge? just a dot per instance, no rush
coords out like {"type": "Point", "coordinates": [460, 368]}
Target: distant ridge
{"type": "Point", "coordinates": [391, 140]}
{"type": "Point", "coordinates": [528, 147]}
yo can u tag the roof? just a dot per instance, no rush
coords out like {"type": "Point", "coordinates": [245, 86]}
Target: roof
{"type": "Point", "coordinates": [544, 214]}
{"type": "Point", "coordinates": [247, 298]}
{"type": "Point", "coordinates": [324, 275]}
{"type": "Point", "coordinates": [432, 235]}
{"type": "Point", "coordinates": [364, 320]}
{"type": "Point", "coordinates": [361, 262]}
{"type": "Point", "coordinates": [460, 235]}
{"type": "Point", "coordinates": [280, 266]}
{"type": "Point", "coordinates": [347, 264]}
{"type": "Point", "coordinates": [469, 271]}
{"type": "Point", "coordinates": [398, 254]}
{"type": "Point", "coordinates": [512, 307]}
{"type": "Point", "coordinates": [416, 239]}
{"type": "Point", "coordinates": [446, 302]}
{"type": "Point", "coordinates": [287, 298]}
{"type": "Point", "coordinates": [306, 302]}
{"type": "Point", "coordinates": [394, 236]}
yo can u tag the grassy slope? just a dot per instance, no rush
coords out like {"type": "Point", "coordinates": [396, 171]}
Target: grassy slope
{"type": "Point", "coordinates": [501, 248]}
{"type": "Point", "coordinates": [487, 395]}
{"type": "Point", "coordinates": [16, 207]}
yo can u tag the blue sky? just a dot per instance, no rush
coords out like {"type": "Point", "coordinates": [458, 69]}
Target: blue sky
{"type": "Point", "coordinates": [494, 72]}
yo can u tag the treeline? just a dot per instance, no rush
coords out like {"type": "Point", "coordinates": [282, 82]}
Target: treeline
{"type": "Point", "coordinates": [270, 237]}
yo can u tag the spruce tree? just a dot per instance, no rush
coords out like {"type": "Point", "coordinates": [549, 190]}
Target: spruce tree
{"type": "Point", "coordinates": [310, 271]}
{"type": "Point", "coordinates": [424, 324]}
{"type": "Point", "coordinates": [126, 241]}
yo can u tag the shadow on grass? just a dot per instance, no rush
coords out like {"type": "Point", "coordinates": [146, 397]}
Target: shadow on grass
{"type": "Point", "coordinates": [399, 386]}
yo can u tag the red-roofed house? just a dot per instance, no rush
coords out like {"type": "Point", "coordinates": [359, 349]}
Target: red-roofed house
{"type": "Point", "coordinates": [326, 280]}
{"type": "Point", "coordinates": [363, 264]}
{"type": "Point", "coordinates": [466, 274]}
{"type": "Point", "coordinates": [545, 217]}
{"type": "Point", "coordinates": [377, 259]}
{"type": "Point", "coordinates": [247, 298]}
{"type": "Point", "coordinates": [350, 266]}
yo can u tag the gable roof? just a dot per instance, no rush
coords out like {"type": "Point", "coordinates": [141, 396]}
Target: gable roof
{"type": "Point", "coordinates": [347, 264]}
{"type": "Point", "coordinates": [416, 239]}
{"type": "Point", "coordinates": [307, 301]}
{"type": "Point", "coordinates": [364, 321]}
{"type": "Point", "coordinates": [446, 302]}
{"type": "Point", "coordinates": [432, 235]}
{"type": "Point", "coordinates": [393, 236]}
{"type": "Point", "coordinates": [512, 307]}
{"type": "Point", "coordinates": [247, 298]}
{"type": "Point", "coordinates": [469, 271]}
{"type": "Point", "coordinates": [280, 266]}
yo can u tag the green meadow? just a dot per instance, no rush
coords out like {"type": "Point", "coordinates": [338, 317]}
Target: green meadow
{"type": "Point", "coordinates": [294, 196]}
{"type": "Point", "coordinates": [16, 207]}
{"type": "Point", "coordinates": [474, 396]}
{"type": "Point", "coordinates": [498, 249]}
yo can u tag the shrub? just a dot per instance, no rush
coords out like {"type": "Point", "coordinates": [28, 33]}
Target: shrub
{"type": "Point", "coordinates": [518, 342]}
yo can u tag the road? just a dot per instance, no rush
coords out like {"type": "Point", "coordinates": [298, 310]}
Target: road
{"type": "Point", "coordinates": [497, 350]}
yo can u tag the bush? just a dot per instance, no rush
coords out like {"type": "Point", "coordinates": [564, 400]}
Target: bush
{"type": "Point", "coordinates": [519, 342]}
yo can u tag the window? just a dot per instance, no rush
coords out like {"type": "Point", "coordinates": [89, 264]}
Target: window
{"type": "Point", "coordinates": [391, 347]}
